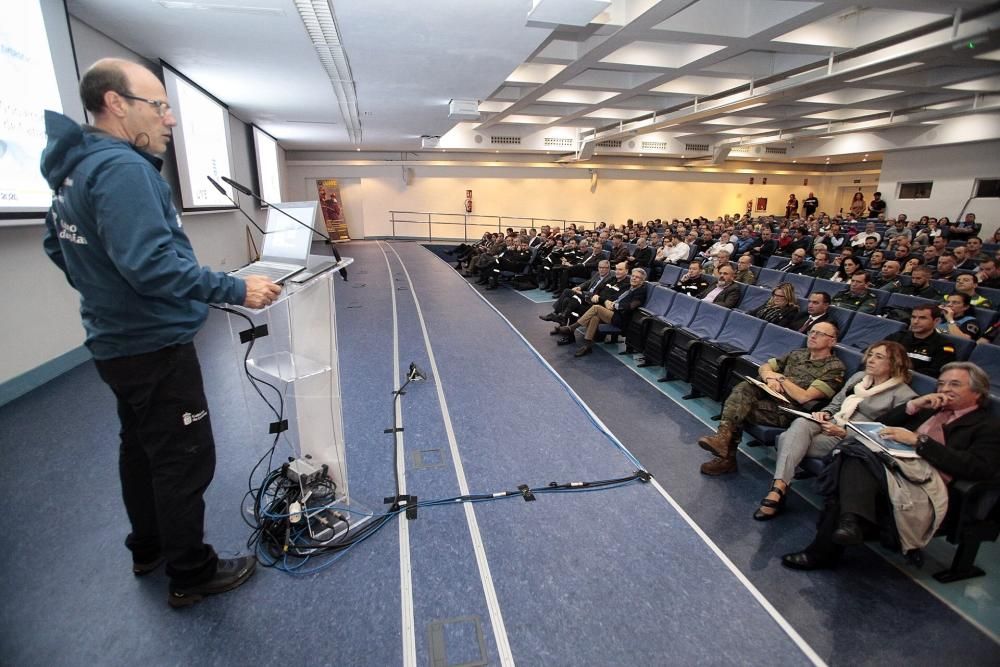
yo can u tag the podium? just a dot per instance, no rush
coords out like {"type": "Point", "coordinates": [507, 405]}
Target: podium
{"type": "Point", "coordinates": [292, 345]}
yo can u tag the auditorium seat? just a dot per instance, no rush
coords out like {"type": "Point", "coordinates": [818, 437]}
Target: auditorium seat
{"type": "Point", "coordinates": [708, 322]}
{"type": "Point", "coordinates": [828, 286]}
{"type": "Point", "coordinates": [866, 329]}
{"type": "Point", "coordinates": [753, 297]}
{"type": "Point", "coordinates": [657, 305]}
{"type": "Point", "coordinates": [671, 274]}
{"type": "Point", "coordinates": [987, 357]}
{"type": "Point", "coordinates": [770, 278]}
{"type": "Point", "coordinates": [657, 330]}
{"type": "Point", "coordinates": [802, 284]}
{"type": "Point", "coordinates": [713, 357]}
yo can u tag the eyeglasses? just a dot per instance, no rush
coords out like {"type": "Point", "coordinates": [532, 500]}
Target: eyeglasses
{"type": "Point", "coordinates": [162, 108]}
{"type": "Point", "coordinates": [814, 332]}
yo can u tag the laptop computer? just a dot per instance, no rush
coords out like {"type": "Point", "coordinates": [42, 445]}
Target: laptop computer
{"type": "Point", "coordinates": [285, 249]}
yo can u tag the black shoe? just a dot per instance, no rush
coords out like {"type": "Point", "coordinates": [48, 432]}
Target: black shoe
{"type": "Point", "coordinates": [566, 340]}
{"type": "Point", "coordinates": [849, 531]}
{"type": "Point", "coordinates": [142, 569]}
{"type": "Point", "coordinates": [550, 317]}
{"type": "Point", "coordinates": [229, 574]}
{"type": "Point", "coordinates": [804, 560]}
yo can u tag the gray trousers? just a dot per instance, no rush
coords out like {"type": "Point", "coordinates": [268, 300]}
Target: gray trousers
{"type": "Point", "coordinates": [804, 438]}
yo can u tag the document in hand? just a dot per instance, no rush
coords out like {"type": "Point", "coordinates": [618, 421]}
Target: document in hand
{"type": "Point", "coordinates": [867, 433]}
{"type": "Point", "coordinates": [762, 385]}
{"type": "Point", "coordinates": [799, 413]}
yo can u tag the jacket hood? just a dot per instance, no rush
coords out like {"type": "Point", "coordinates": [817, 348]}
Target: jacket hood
{"type": "Point", "coordinates": [68, 143]}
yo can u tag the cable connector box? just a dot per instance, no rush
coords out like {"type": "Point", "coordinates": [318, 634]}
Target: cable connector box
{"type": "Point", "coordinates": [304, 472]}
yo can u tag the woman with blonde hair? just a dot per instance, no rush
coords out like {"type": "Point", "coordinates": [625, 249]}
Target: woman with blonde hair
{"type": "Point", "coordinates": [881, 385]}
{"type": "Point", "coordinates": [781, 308]}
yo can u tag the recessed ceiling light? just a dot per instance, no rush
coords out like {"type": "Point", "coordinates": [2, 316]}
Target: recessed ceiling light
{"type": "Point", "coordinates": [640, 154]}
{"type": "Point", "coordinates": [794, 161]}
{"type": "Point", "coordinates": [357, 149]}
{"type": "Point", "coordinates": [682, 157]}
{"type": "Point", "coordinates": [758, 159]}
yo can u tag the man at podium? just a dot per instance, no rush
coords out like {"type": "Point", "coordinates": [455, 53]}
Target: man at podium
{"type": "Point", "coordinates": [113, 230]}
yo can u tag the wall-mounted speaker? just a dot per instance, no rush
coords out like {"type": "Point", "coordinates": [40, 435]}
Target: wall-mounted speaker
{"type": "Point", "coordinates": [407, 176]}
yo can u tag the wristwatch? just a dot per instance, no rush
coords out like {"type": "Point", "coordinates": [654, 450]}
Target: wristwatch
{"type": "Point", "coordinates": [922, 440]}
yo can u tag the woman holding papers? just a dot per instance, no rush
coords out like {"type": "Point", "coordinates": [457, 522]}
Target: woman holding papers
{"type": "Point", "coordinates": [881, 386]}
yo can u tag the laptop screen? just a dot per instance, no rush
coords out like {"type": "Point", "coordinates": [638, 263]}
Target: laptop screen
{"type": "Point", "coordinates": [287, 241]}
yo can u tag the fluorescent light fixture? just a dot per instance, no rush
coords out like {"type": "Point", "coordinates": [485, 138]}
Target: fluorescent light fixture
{"type": "Point", "coordinates": [891, 70]}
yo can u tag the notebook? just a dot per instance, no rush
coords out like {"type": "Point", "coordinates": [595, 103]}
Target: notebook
{"type": "Point", "coordinates": [285, 249]}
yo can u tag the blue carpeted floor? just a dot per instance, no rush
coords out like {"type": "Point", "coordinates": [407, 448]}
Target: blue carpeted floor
{"type": "Point", "coordinates": [610, 577]}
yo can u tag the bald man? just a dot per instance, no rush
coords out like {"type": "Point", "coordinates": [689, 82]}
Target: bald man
{"type": "Point", "coordinates": [114, 232]}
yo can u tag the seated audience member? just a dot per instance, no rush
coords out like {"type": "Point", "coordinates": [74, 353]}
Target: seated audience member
{"type": "Point", "coordinates": [989, 334]}
{"type": "Point", "coordinates": [859, 239]}
{"type": "Point", "coordinates": [581, 265]}
{"type": "Point", "coordinates": [817, 310]}
{"type": "Point", "coordinates": [920, 285]}
{"type": "Point", "coordinates": [801, 240]}
{"type": "Point", "coordinates": [881, 385]}
{"type": "Point", "coordinates": [946, 267]}
{"type": "Point", "coordinates": [898, 230]}
{"type": "Point", "coordinates": [763, 247]}
{"type": "Point", "coordinates": [959, 317]}
{"type": "Point", "coordinates": [781, 308]}
{"type": "Point", "coordinates": [901, 253]}
{"type": "Point", "coordinates": [962, 230]}
{"type": "Point", "coordinates": [989, 274]}
{"type": "Point", "coordinates": [962, 260]}
{"type": "Point", "coordinates": [833, 238]}
{"type": "Point", "coordinates": [821, 267]}
{"type": "Point", "coordinates": [930, 256]}
{"type": "Point", "coordinates": [744, 274]}
{"type": "Point", "coordinates": [619, 251]}
{"type": "Point", "coordinates": [859, 297]}
{"type": "Point", "coordinates": [888, 278]}
{"type": "Point", "coordinates": [714, 250]}
{"type": "Point", "coordinates": [876, 261]}
{"type": "Point", "coordinates": [955, 437]}
{"type": "Point", "coordinates": [513, 259]}
{"type": "Point", "coordinates": [642, 256]}
{"type": "Point", "coordinates": [573, 300]}
{"type": "Point", "coordinates": [803, 376]}
{"type": "Point", "coordinates": [796, 264]}
{"type": "Point", "coordinates": [617, 312]}
{"type": "Point", "coordinates": [848, 267]}
{"type": "Point", "coordinates": [927, 349]}
{"type": "Point", "coordinates": [744, 242]}
{"type": "Point", "coordinates": [869, 248]}
{"type": "Point", "coordinates": [693, 281]}
{"type": "Point", "coordinates": [966, 283]}
{"type": "Point", "coordinates": [726, 292]}
{"type": "Point", "coordinates": [710, 266]}
{"type": "Point", "coordinates": [974, 250]}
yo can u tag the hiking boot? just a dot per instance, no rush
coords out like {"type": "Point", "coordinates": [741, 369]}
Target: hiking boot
{"type": "Point", "coordinates": [229, 574]}
{"type": "Point", "coordinates": [722, 443]}
{"type": "Point", "coordinates": [719, 466]}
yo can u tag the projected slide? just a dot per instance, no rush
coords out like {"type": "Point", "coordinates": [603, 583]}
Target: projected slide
{"type": "Point", "coordinates": [201, 143]}
{"type": "Point", "coordinates": [268, 168]}
{"type": "Point", "coordinates": [27, 87]}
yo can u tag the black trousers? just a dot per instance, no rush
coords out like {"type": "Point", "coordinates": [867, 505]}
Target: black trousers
{"type": "Point", "coordinates": [858, 494]}
{"type": "Point", "coordinates": [166, 458]}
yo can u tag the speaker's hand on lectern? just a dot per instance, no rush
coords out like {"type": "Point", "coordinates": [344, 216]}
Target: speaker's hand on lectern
{"type": "Point", "coordinates": [261, 291]}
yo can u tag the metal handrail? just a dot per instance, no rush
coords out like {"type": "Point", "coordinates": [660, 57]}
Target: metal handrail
{"type": "Point", "coordinates": [427, 218]}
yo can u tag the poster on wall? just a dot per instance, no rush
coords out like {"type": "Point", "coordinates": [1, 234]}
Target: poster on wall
{"type": "Point", "coordinates": [333, 209]}
{"type": "Point", "coordinates": [761, 203]}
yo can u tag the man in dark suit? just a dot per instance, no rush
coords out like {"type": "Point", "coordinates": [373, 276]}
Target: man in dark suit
{"type": "Point", "coordinates": [817, 310]}
{"type": "Point", "coordinates": [619, 251]}
{"type": "Point", "coordinates": [726, 292]}
{"type": "Point", "coordinates": [580, 265]}
{"type": "Point", "coordinates": [617, 312]}
{"type": "Point", "coordinates": [574, 298]}
{"type": "Point", "coordinates": [951, 429]}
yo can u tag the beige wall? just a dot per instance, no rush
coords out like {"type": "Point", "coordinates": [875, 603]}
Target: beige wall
{"type": "Point", "coordinates": [562, 193]}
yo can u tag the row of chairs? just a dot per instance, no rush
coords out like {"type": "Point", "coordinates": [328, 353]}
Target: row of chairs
{"type": "Point", "coordinates": [711, 347]}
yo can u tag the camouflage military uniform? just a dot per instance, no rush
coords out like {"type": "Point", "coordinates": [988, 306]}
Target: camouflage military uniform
{"type": "Point", "coordinates": [748, 403]}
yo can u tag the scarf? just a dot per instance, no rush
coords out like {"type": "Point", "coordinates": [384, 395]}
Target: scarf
{"type": "Point", "coordinates": [860, 392]}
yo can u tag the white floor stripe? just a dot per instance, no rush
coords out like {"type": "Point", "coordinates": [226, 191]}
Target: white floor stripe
{"type": "Point", "coordinates": [492, 603]}
{"type": "Point", "coordinates": [405, 569]}
{"type": "Point", "coordinates": [768, 607]}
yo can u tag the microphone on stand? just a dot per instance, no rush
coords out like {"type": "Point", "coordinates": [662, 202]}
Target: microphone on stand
{"type": "Point", "coordinates": [247, 191]}
{"type": "Point", "coordinates": [218, 186]}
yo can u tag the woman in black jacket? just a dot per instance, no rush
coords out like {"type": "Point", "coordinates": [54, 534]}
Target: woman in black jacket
{"type": "Point", "coordinates": [781, 308]}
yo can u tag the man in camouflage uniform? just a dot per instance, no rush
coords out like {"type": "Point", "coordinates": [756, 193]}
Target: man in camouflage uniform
{"type": "Point", "coordinates": [859, 297]}
{"type": "Point", "coordinates": [802, 375]}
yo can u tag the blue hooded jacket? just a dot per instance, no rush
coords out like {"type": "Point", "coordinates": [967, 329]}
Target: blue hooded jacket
{"type": "Point", "coordinates": [115, 233]}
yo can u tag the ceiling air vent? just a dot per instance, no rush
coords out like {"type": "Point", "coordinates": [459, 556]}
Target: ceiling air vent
{"type": "Point", "coordinates": [739, 149]}
{"type": "Point", "coordinates": [696, 148]}
{"type": "Point", "coordinates": [558, 142]}
{"type": "Point", "coordinates": [654, 145]}
{"type": "Point", "coordinates": [775, 150]}
{"type": "Point", "coordinates": [611, 143]}
{"type": "Point", "coordinates": [506, 141]}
